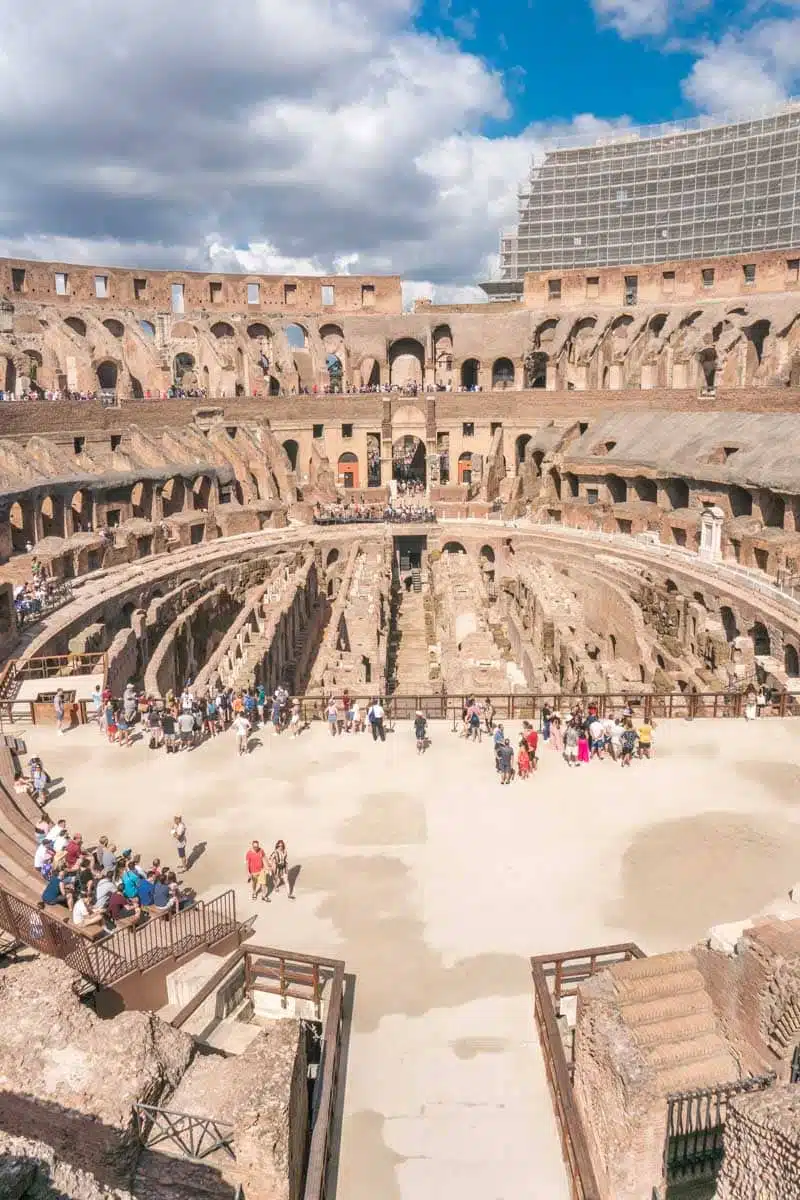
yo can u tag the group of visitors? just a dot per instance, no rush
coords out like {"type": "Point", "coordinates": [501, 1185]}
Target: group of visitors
{"type": "Point", "coordinates": [101, 887]}
{"type": "Point", "coordinates": [351, 513]}
{"type": "Point", "coordinates": [410, 487]}
{"type": "Point", "coordinates": [345, 716]}
{"type": "Point", "coordinates": [267, 874]}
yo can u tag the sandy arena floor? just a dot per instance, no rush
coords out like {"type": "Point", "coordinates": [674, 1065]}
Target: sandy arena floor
{"type": "Point", "coordinates": [435, 884]}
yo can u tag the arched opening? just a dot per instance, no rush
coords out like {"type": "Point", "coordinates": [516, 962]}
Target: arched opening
{"type": "Point", "coordinates": [201, 493]}
{"type": "Point", "coordinates": [657, 323]}
{"type": "Point", "coordinates": [470, 373]}
{"type": "Point", "coordinates": [296, 336]}
{"type": "Point", "coordinates": [465, 467]}
{"type": "Point", "coordinates": [677, 492]}
{"type": "Point", "coordinates": [136, 388]}
{"type": "Point", "coordinates": [646, 489]}
{"type": "Point", "coordinates": [52, 514]}
{"type": "Point", "coordinates": [21, 533]}
{"type": "Point", "coordinates": [671, 586]}
{"type": "Point", "coordinates": [728, 623]}
{"type": "Point", "coordinates": [333, 556]}
{"type": "Point", "coordinates": [443, 354]}
{"type": "Point", "coordinates": [612, 645]}
{"type": "Point", "coordinates": [537, 369]}
{"type": "Point", "coordinates": [503, 374]}
{"type": "Point", "coordinates": [126, 615]}
{"type": "Point", "coordinates": [257, 330]}
{"type": "Point", "coordinates": [486, 554]}
{"type": "Point", "coordinates": [708, 366]}
{"type": "Point", "coordinates": [274, 386]}
{"type": "Point", "coordinates": [183, 364]}
{"type": "Point", "coordinates": [11, 377]}
{"type": "Point", "coordinates": [773, 510]}
{"type": "Point", "coordinates": [333, 365]}
{"type": "Point", "coordinates": [221, 329]}
{"type": "Point", "coordinates": [520, 447]}
{"type": "Point", "coordinates": [107, 373]}
{"type": "Point", "coordinates": [81, 508]}
{"type": "Point", "coordinates": [790, 661]}
{"type": "Point", "coordinates": [292, 450]}
{"type": "Point", "coordinates": [555, 478]}
{"type": "Point", "coordinates": [406, 364]}
{"type": "Point", "coordinates": [148, 329]}
{"type": "Point", "coordinates": [115, 328]}
{"type": "Point", "coordinates": [142, 500]}
{"type": "Point", "coordinates": [760, 639]}
{"type": "Point", "coordinates": [76, 325]}
{"type": "Point", "coordinates": [408, 459]}
{"type": "Point", "coordinates": [741, 501]}
{"type": "Point", "coordinates": [348, 470]}
{"type": "Point", "coordinates": [172, 496]}
{"type": "Point", "coordinates": [617, 489]}
{"type": "Point", "coordinates": [757, 334]}
{"type": "Point", "coordinates": [453, 548]}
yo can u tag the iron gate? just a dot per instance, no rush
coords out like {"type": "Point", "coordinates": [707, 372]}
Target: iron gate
{"type": "Point", "coordinates": [696, 1125]}
{"type": "Point", "coordinates": [794, 1075]}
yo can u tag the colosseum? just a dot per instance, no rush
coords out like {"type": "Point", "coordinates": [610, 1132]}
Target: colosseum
{"type": "Point", "coordinates": [289, 499]}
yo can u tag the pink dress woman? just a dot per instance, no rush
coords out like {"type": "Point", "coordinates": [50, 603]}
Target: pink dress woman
{"type": "Point", "coordinates": [556, 736]}
{"type": "Point", "coordinates": [583, 748]}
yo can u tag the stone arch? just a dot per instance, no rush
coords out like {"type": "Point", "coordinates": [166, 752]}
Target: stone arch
{"type": "Point", "coordinates": [173, 495]}
{"type": "Point", "coordinates": [671, 586]}
{"type": "Point", "coordinates": [333, 556]}
{"type": "Point", "coordinates": [183, 364]}
{"type": "Point", "coordinates": [729, 623]}
{"type": "Point", "coordinates": [409, 458]}
{"type": "Point", "coordinates": [21, 522]}
{"type": "Point", "coordinates": [407, 363]}
{"type": "Point", "coordinates": [443, 353]}
{"type": "Point", "coordinates": [503, 373]}
{"type": "Point", "coordinates": [470, 374]}
{"type": "Point", "coordinates": [76, 325]}
{"type": "Point", "coordinates": [757, 334]}
{"type": "Point", "coordinates": [773, 510]}
{"type": "Point", "coordinates": [759, 635]}
{"type": "Point", "coordinates": [555, 479]}
{"type": "Point", "coordinates": [537, 369]}
{"type": "Point", "coordinates": [621, 325]}
{"type": "Point", "coordinates": [11, 377]}
{"type": "Point", "coordinates": [646, 489]}
{"type": "Point", "coordinates": [791, 663]}
{"type": "Point", "coordinates": [656, 324]}
{"type": "Point", "coordinates": [274, 386]}
{"type": "Point", "coordinates": [296, 336]}
{"type": "Point", "coordinates": [148, 329]}
{"type": "Point", "coordinates": [348, 470]}
{"type": "Point", "coordinates": [107, 375]}
{"type": "Point", "coordinates": [453, 548]}
{"type": "Point", "coordinates": [618, 488]}
{"type": "Point", "coordinates": [545, 332]}
{"type": "Point", "coordinates": [51, 512]}
{"type": "Point", "coordinates": [332, 338]}
{"type": "Point", "coordinates": [292, 450]}
{"type": "Point", "coordinates": [708, 366]}
{"type": "Point", "coordinates": [465, 467]}
{"type": "Point", "coordinates": [81, 508]}
{"type": "Point", "coordinates": [201, 493]}
{"type": "Point", "coordinates": [257, 329]}
{"type": "Point", "coordinates": [114, 327]}
{"type": "Point", "coordinates": [520, 446]}
{"type": "Point", "coordinates": [741, 501]}
{"type": "Point", "coordinates": [690, 318]}
{"type": "Point", "coordinates": [222, 329]}
{"type": "Point", "coordinates": [677, 491]}
{"type": "Point", "coordinates": [142, 499]}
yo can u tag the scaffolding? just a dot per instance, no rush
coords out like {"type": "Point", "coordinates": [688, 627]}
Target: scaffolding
{"type": "Point", "coordinates": [691, 190]}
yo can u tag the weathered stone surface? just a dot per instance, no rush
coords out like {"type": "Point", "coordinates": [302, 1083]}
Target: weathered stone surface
{"type": "Point", "coordinates": [762, 1146]}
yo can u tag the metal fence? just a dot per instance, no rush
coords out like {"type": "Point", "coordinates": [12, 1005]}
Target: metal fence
{"type": "Point", "coordinates": [693, 1147]}
{"type": "Point", "coordinates": [194, 1137]}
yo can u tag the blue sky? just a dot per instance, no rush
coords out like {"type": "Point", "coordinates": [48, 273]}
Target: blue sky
{"type": "Point", "coordinates": [361, 136]}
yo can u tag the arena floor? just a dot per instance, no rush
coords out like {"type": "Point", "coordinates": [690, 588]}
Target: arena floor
{"type": "Point", "coordinates": [435, 885]}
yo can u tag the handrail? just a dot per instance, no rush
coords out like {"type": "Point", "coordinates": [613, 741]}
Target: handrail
{"type": "Point", "coordinates": [184, 1130]}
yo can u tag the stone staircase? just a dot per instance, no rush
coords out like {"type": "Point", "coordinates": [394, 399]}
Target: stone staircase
{"type": "Point", "coordinates": [664, 1004]}
{"type": "Point", "coordinates": [411, 645]}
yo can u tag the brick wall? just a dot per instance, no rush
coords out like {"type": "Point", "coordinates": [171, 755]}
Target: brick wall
{"type": "Point", "coordinates": [762, 1146]}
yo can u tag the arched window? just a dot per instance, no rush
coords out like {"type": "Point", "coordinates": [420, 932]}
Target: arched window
{"type": "Point", "coordinates": [148, 329]}
{"type": "Point", "coordinates": [470, 373]}
{"type": "Point", "coordinates": [257, 330]}
{"type": "Point", "coordinates": [790, 661]}
{"type": "Point", "coordinates": [761, 640]}
{"type": "Point", "coordinates": [292, 449]}
{"type": "Point", "coordinates": [107, 376]}
{"type": "Point", "coordinates": [183, 364]}
{"type": "Point", "coordinates": [503, 373]}
{"type": "Point", "coordinates": [76, 325]}
{"type": "Point", "coordinates": [296, 336]}
{"type": "Point", "coordinates": [221, 329]}
{"type": "Point", "coordinates": [115, 328]}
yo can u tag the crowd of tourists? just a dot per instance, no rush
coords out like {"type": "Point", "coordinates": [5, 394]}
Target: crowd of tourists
{"type": "Point", "coordinates": [103, 888]}
{"type": "Point", "coordinates": [582, 737]}
{"type": "Point", "coordinates": [352, 513]}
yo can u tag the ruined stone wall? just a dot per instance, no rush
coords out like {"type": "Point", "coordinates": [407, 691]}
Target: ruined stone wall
{"type": "Point", "coordinates": [762, 1146]}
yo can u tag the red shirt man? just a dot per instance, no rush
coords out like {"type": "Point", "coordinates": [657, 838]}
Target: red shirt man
{"type": "Point", "coordinates": [73, 851]}
{"type": "Point", "coordinates": [256, 859]}
{"type": "Point", "coordinates": [532, 738]}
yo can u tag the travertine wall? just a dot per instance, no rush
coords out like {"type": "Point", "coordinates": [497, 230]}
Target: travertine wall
{"type": "Point", "coordinates": [762, 1146]}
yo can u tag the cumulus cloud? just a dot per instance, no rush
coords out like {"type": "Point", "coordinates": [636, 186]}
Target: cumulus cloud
{"type": "Point", "coordinates": [748, 69]}
{"type": "Point", "coordinates": [645, 18]}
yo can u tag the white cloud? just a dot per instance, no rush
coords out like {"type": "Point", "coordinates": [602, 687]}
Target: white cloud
{"type": "Point", "coordinates": [748, 69]}
{"type": "Point", "coordinates": [632, 18]}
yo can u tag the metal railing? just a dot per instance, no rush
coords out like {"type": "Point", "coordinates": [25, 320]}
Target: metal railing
{"type": "Point", "coordinates": [554, 977]}
{"type": "Point", "coordinates": [302, 977]}
{"type": "Point", "coordinates": [693, 1147]}
{"type": "Point", "coordinates": [135, 949]}
{"type": "Point", "coordinates": [195, 1137]}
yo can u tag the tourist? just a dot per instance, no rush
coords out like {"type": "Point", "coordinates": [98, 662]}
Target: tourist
{"type": "Point", "coordinates": [556, 737]}
{"type": "Point", "coordinates": [488, 715]}
{"type": "Point", "coordinates": [168, 730]}
{"type": "Point", "coordinates": [103, 891]}
{"type": "Point", "coordinates": [55, 891]}
{"type": "Point", "coordinates": [523, 759]}
{"type": "Point", "coordinates": [59, 708]}
{"type": "Point", "coordinates": [73, 852]}
{"type": "Point", "coordinates": [505, 761]}
{"type": "Point", "coordinates": [276, 713]}
{"type": "Point", "coordinates": [178, 832]}
{"type": "Point", "coordinates": [241, 727]}
{"type": "Point", "coordinates": [97, 704]}
{"type": "Point", "coordinates": [256, 861]}
{"type": "Point", "coordinates": [39, 781]}
{"type": "Point", "coordinates": [295, 721]}
{"type": "Point", "coordinates": [83, 915]}
{"type": "Point", "coordinates": [43, 859]}
{"type": "Point", "coordinates": [375, 716]}
{"type": "Point", "coordinates": [645, 737]}
{"type": "Point", "coordinates": [118, 908]}
{"type": "Point", "coordinates": [186, 728]}
{"type": "Point", "coordinates": [346, 710]}
{"type": "Point", "coordinates": [532, 742]}
{"type": "Point", "coordinates": [547, 716]}
{"type": "Point", "coordinates": [597, 737]}
{"type": "Point", "coordinates": [211, 717]}
{"type": "Point", "coordinates": [420, 731]}
{"type": "Point", "coordinates": [571, 735]}
{"type": "Point", "coordinates": [583, 745]}
{"type": "Point", "coordinates": [473, 720]}
{"type": "Point", "coordinates": [627, 742]}
{"type": "Point", "coordinates": [332, 717]}
{"type": "Point", "coordinates": [356, 720]}
{"type": "Point", "coordinates": [161, 896]}
{"type": "Point", "coordinates": [279, 868]}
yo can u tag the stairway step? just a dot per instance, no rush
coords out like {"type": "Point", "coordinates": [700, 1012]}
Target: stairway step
{"type": "Point", "coordinates": [690, 1025]}
{"type": "Point", "coordinates": [685, 1050]}
{"type": "Point", "coordinates": [650, 988]}
{"type": "Point", "coordinates": [706, 1072]}
{"type": "Point", "coordinates": [637, 1013]}
{"type": "Point", "coordinates": [656, 964]}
